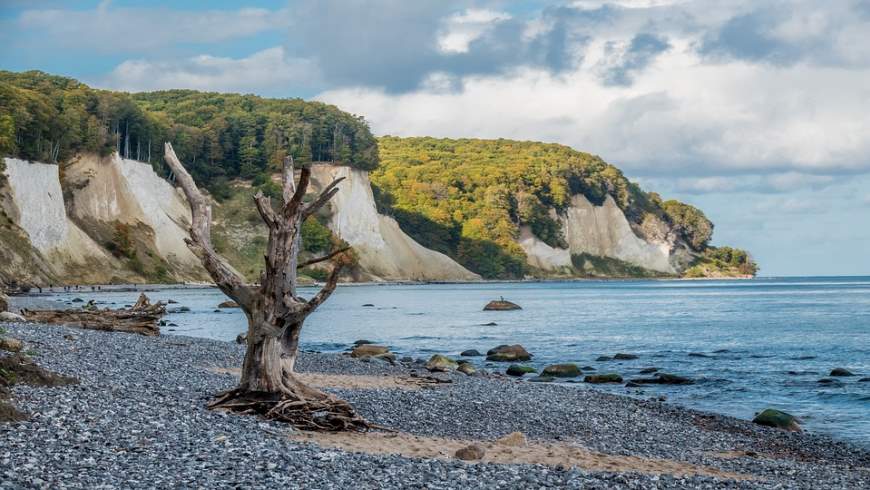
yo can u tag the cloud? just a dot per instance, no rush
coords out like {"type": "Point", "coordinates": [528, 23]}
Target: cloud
{"type": "Point", "coordinates": [774, 183]}
{"type": "Point", "coordinates": [121, 29]}
{"type": "Point", "coordinates": [263, 72]}
{"type": "Point", "coordinates": [626, 60]}
{"type": "Point", "coordinates": [866, 199]}
{"type": "Point", "coordinates": [461, 29]}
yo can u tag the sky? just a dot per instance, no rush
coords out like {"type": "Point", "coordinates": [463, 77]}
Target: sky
{"type": "Point", "coordinates": [755, 111]}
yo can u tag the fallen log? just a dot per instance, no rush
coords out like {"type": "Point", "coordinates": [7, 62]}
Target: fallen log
{"type": "Point", "coordinates": [142, 318]}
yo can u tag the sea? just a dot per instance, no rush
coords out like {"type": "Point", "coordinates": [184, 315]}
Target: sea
{"type": "Point", "coordinates": [748, 344]}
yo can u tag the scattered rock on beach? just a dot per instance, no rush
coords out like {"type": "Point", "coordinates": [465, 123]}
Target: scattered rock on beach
{"type": "Point", "coordinates": [519, 371]}
{"type": "Point", "coordinates": [624, 357]}
{"type": "Point", "coordinates": [8, 316]}
{"type": "Point", "coordinates": [501, 305]}
{"type": "Point", "coordinates": [466, 368]}
{"type": "Point", "coordinates": [508, 353]}
{"type": "Point", "coordinates": [778, 419]}
{"type": "Point", "coordinates": [841, 372]}
{"type": "Point", "coordinates": [470, 353]}
{"type": "Point", "coordinates": [470, 453]}
{"type": "Point", "coordinates": [567, 370]}
{"type": "Point", "coordinates": [439, 363]}
{"type": "Point", "coordinates": [602, 378]}
{"type": "Point", "coordinates": [229, 304]}
{"type": "Point", "coordinates": [369, 350]}
{"type": "Point", "coordinates": [11, 345]}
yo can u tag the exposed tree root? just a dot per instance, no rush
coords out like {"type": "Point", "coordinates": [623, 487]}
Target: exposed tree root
{"type": "Point", "coordinates": [327, 413]}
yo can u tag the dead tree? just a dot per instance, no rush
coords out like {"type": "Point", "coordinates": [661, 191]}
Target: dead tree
{"type": "Point", "coordinates": [274, 310]}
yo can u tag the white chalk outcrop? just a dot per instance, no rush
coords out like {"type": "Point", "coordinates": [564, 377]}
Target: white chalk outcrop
{"type": "Point", "coordinates": [384, 250]}
{"type": "Point", "coordinates": [40, 211]}
{"type": "Point", "coordinates": [597, 230]}
{"type": "Point", "coordinates": [113, 189]}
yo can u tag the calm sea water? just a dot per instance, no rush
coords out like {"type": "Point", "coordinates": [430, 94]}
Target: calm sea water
{"type": "Point", "coordinates": [768, 326]}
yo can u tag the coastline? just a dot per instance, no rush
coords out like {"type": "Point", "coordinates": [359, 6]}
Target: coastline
{"type": "Point", "coordinates": [141, 404]}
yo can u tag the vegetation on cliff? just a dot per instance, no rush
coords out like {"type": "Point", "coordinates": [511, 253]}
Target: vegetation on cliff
{"type": "Point", "coordinates": [223, 136]}
{"type": "Point", "coordinates": [468, 198]}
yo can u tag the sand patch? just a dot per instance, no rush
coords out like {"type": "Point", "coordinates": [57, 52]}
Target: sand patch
{"type": "Point", "coordinates": [349, 381]}
{"type": "Point", "coordinates": [509, 450]}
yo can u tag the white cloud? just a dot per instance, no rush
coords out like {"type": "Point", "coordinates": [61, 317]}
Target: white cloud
{"type": "Point", "coordinates": [680, 114]}
{"type": "Point", "coordinates": [109, 29]}
{"type": "Point", "coordinates": [460, 30]}
{"type": "Point", "coordinates": [261, 72]}
{"type": "Point", "coordinates": [628, 4]}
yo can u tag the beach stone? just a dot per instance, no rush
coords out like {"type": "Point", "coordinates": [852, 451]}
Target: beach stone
{"type": "Point", "coordinates": [514, 439]}
{"type": "Point", "coordinates": [648, 370]}
{"type": "Point", "coordinates": [406, 360]}
{"type": "Point", "coordinates": [508, 353]}
{"type": "Point", "coordinates": [369, 350]}
{"type": "Point", "coordinates": [229, 304]}
{"type": "Point", "coordinates": [368, 305]}
{"type": "Point", "coordinates": [771, 417]}
{"type": "Point", "coordinates": [466, 368]}
{"type": "Point", "coordinates": [439, 363]}
{"type": "Point", "coordinates": [603, 378]}
{"type": "Point", "coordinates": [517, 370]}
{"type": "Point", "coordinates": [567, 370]}
{"type": "Point", "coordinates": [470, 453]}
{"type": "Point", "coordinates": [8, 316]}
{"type": "Point", "coordinates": [624, 357]}
{"type": "Point", "coordinates": [542, 379]}
{"type": "Point", "coordinates": [11, 345]}
{"type": "Point", "coordinates": [470, 353]}
{"type": "Point", "coordinates": [841, 372]}
{"type": "Point", "coordinates": [501, 305]}
{"type": "Point", "coordinates": [603, 358]}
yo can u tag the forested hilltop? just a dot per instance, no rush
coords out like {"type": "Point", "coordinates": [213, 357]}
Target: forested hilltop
{"type": "Point", "coordinates": [500, 208]}
{"type": "Point", "coordinates": [468, 197]}
{"type": "Point", "coordinates": [219, 136]}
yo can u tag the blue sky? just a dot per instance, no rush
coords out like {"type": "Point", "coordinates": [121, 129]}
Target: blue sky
{"type": "Point", "coordinates": [758, 111]}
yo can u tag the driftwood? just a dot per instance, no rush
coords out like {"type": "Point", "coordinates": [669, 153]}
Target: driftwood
{"type": "Point", "coordinates": [142, 318]}
{"type": "Point", "coordinates": [274, 309]}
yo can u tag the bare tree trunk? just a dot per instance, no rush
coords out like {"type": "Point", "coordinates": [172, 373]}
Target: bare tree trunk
{"type": "Point", "coordinates": [275, 312]}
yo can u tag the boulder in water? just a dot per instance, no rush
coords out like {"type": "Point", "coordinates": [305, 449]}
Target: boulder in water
{"type": "Point", "coordinates": [624, 357]}
{"type": "Point", "coordinates": [567, 370]}
{"type": "Point", "coordinates": [603, 358]}
{"type": "Point", "coordinates": [229, 304]}
{"type": "Point", "coordinates": [470, 353]}
{"type": "Point", "coordinates": [648, 370]}
{"type": "Point", "coordinates": [490, 324]}
{"type": "Point", "coordinates": [501, 305]}
{"type": "Point", "coordinates": [368, 305]}
{"type": "Point", "coordinates": [664, 379]}
{"type": "Point", "coordinates": [519, 371]}
{"type": "Point", "coordinates": [697, 354]}
{"type": "Point", "coordinates": [841, 372]}
{"type": "Point", "coordinates": [602, 378]}
{"type": "Point", "coordinates": [508, 353]}
{"type": "Point", "coordinates": [831, 382]}
{"type": "Point", "coordinates": [439, 363]}
{"type": "Point", "coordinates": [778, 419]}
{"type": "Point", "coordinates": [864, 380]}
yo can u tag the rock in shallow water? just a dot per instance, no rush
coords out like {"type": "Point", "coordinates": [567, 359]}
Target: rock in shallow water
{"type": "Point", "coordinates": [440, 363]}
{"type": "Point", "coordinates": [624, 357]}
{"type": "Point", "coordinates": [470, 353]}
{"type": "Point", "coordinates": [603, 378]}
{"type": "Point", "coordinates": [664, 379]}
{"type": "Point", "coordinates": [841, 372]}
{"type": "Point", "coordinates": [517, 370]}
{"type": "Point", "coordinates": [508, 353]}
{"type": "Point", "coordinates": [778, 419]}
{"type": "Point", "coordinates": [567, 370]}
{"type": "Point", "coordinates": [501, 305]}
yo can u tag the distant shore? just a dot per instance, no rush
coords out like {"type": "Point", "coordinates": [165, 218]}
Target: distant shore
{"type": "Point", "coordinates": [140, 407]}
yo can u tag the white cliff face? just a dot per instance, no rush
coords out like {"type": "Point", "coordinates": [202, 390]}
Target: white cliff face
{"type": "Point", "coordinates": [36, 193]}
{"type": "Point", "coordinates": [114, 189]}
{"type": "Point", "coordinates": [597, 230]}
{"type": "Point", "coordinates": [541, 255]}
{"type": "Point", "coordinates": [384, 250]}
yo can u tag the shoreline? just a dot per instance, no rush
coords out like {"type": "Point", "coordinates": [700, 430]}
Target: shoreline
{"type": "Point", "coordinates": [141, 401]}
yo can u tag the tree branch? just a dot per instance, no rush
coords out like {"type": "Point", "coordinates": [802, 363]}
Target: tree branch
{"type": "Point", "coordinates": [199, 242]}
{"type": "Point", "coordinates": [264, 207]}
{"type": "Point", "coordinates": [289, 186]}
{"type": "Point", "coordinates": [292, 206]}
{"type": "Point", "coordinates": [326, 291]}
{"type": "Point", "coordinates": [322, 199]}
{"type": "Point", "coordinates": [322, 259]}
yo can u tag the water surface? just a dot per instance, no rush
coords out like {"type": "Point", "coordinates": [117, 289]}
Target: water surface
{"type": "Point", "coordinates": [754, 332]}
